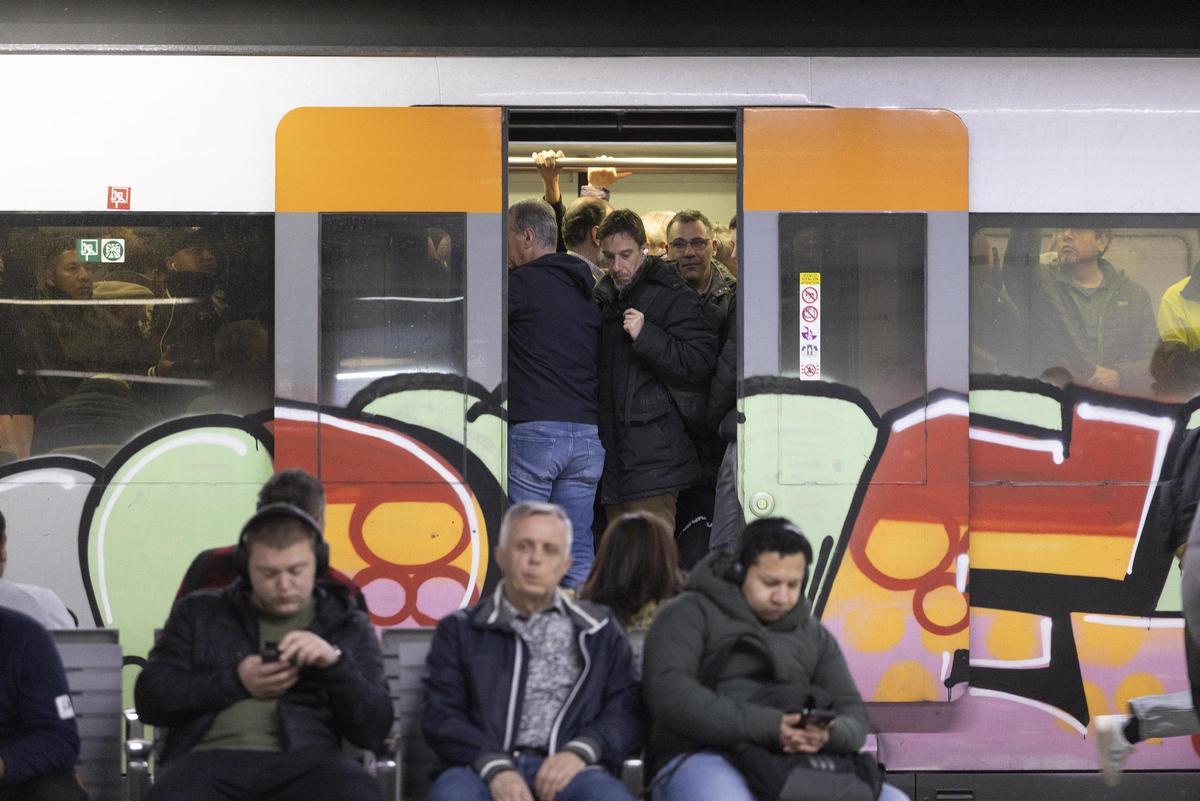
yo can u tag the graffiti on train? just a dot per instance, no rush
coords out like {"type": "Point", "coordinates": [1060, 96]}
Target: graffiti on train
{"type": "Point", "coordinates": [411, 504]}
{"type": "Point", "coordinates": [996, 549]}
{"type": "Point", "coordinates": [1003, 547]}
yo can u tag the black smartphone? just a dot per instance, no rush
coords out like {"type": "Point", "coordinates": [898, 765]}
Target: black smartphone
{"type": "Point", "coordinates": [821, 718]}
{"type": "Point", "coordinates": [270, 652]}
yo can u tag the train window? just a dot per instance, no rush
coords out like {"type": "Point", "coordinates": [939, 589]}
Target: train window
{"type": "Point", "coordinates": [852, 301]}
{"type": "Point", "coordinates": [113, 324]}
{"type": "Point", "coordinates": [1106, 301]}
{"type": "Point", "coordinates": [392, 300]}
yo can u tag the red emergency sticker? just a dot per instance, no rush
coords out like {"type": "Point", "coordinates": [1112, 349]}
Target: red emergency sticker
{"type": "Point", "coordinates": [118, 198]}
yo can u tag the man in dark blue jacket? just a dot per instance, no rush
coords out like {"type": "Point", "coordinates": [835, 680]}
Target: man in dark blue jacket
{"type": "Point", "coordinates": [530, 693]}
{"type": "Point", "coordinates": [260, 682]}
{"type": "Point", "coordinates": [554, 450]}
{"type": "Point", "coordinates": [39, 742]}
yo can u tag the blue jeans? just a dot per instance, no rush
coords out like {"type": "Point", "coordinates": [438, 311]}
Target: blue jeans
{"type": "Point", "coordinates": [709, 776]}
{"type": "Point", "coordinates": [560, 463]}
{"type": "Point", "coordinates": [591, 784]}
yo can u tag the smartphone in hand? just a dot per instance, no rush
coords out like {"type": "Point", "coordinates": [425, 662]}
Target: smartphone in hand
{"type": "Point", "coordinates": [270, 652]}
{"type": "Point", "coordinates": [821, 718]}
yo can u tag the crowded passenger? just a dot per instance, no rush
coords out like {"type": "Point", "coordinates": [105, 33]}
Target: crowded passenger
{"type": "Point", "coordinates": [655, 223]}
{"type": "Point", "coordinates": [242, 383]}
{"type": "Point", "coordinates": [95, 420]}
{"type": "Point", "coordinates": [725, 248]}
{"type": "Point", "coordinates": [691, 246]}
{"type": "Point", "coordinates": [1091, 318]}
{"type": "Point", "coordinates": [656, 338]}
{"type": "Point", "coordinates": [996, 329]}
{"type": "Point", "coordinates": [554, 446]}
{"type": "Point", "coordinates": [1163, 714]}
{"type": "Point", "coordinates": [742, 682]}
{"type": "Point", "coordinates": [39, 738]}
{"type": "Point", "coordinates": [727, 518]}
{"type": "Point", "coordinates": [580, 226]}
{"type": "Point", "coordinates": [596, 189]}
{"type": "Point", "coordinates": [578, 714]}
{"type": "Point", "coordinates": [636, 569]}
{"type": "Point", "coordinates": [186, 328]}
{"type": "Point", "coordinates": [1178, 315]}
{"type": "Point", "coordinates": [261, 681]}
{"type": "Point", "coordinates": [39, 603]}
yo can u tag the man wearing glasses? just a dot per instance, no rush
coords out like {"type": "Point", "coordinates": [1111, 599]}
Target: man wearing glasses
{"type": "Point", "coordinates": [690, 244]}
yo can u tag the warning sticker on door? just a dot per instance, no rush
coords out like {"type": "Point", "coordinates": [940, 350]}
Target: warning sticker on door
{"type": "Point", "coordinates": [810, 326]}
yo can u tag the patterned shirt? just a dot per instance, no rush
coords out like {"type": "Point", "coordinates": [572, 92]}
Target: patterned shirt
{"type": "Point", "coordinates": [554, 665]}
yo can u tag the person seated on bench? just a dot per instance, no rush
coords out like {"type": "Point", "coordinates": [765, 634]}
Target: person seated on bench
{"type": "Point", "coordinates": [216, 567]}
{"type": "Point", "coordinates": [39, 603]}
{"type": "Point", "coordinates": [742, 682]}
{"type": "Point", "coordinates": [260, 682]}
{"type": "Point", "coordinates": [39, 742]}
{"type": "Point", "coordinates": [530, 693]}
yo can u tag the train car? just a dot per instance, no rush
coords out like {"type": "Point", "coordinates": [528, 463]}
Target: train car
{"type": "Point", "coordinates": [215, 266]}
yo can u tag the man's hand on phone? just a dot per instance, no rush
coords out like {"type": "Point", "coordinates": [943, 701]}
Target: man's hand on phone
{"type": "Point", "coordinates": [266, 680]}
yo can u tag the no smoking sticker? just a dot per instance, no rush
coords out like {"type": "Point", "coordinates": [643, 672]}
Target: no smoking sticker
{"type": "Point", "coordinates": [810, 345]}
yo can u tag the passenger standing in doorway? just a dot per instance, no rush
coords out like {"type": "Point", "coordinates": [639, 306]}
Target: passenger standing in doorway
{"type": "Point", "coordinates": [554, 450]}
{"type": "Point", "coordinates": [692, 247]}
{"type": "Point", "coordinates": [580, 231]}
{"type": "Point", "coordinates": [656, 337]}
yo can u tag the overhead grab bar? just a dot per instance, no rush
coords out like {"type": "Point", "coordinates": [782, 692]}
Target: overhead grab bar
{"type": "Point", "coordinates": [641, 164]}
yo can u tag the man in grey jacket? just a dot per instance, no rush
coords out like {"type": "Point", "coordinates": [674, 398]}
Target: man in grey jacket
{"type": "Point", "coordinates": [741, 626]}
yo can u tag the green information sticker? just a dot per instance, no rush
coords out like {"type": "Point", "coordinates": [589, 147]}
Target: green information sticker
{"type": "Point", "coordinates": [88, 249]}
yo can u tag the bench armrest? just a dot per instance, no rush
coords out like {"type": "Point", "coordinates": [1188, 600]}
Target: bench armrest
{"type": "Point", "coordinates": [633, 776]}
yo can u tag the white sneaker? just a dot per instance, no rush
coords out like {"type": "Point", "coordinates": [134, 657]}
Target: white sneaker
{"type": "Point", "coordinates": [1112, 749]}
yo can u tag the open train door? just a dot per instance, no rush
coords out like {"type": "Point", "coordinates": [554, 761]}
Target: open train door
{"type": "Point", "coordinates": [853, 307]}
{"type": "Point", "coordinates": [389, 343]}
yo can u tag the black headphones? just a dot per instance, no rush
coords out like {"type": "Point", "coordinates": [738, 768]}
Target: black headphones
{"type": "Point", "coordinates": [241, 555]}
{"type": "Point", "coordinates": [735, 572]}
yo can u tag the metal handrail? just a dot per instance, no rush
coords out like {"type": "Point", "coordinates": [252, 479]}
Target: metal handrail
{"type": "Point", "coordinates": [642, 164]}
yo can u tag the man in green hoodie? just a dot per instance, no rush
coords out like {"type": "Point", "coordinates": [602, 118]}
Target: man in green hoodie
{"type": "Point", "coordinates": [742, 625]}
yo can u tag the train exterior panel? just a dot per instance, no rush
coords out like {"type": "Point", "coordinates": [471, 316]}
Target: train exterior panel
{"type": "Point", "coordinates": [989, 557]}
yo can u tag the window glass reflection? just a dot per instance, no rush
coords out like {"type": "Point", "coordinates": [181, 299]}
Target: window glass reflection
{"type": "Point", "coordinates": [110, 329]}
{"type": "Point", "coordinates": [871, 311]}
{"type": "Point", "coordinates": [392, 299]}
{"type": "Point", "coordinates": [1106, 301]}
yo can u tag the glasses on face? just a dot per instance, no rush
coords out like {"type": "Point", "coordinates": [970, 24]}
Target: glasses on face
{"type": "Point", "coordinates": [681, 245]}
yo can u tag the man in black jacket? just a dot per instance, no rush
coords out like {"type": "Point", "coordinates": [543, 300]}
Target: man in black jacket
{"type": "Point", "coordinates": [656, 343]}
{"type": "Point", "coordinates": [692, 247]}
{"type": "Point", "coordinates": [260, 682]}
{"type": "Point", "coordinates": [554, 450]}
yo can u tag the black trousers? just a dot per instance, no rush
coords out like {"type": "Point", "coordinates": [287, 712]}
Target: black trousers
{"type": "Point", "coordinates": [314, 774]}
{"type": "Point", "coordinates": [55, 787]}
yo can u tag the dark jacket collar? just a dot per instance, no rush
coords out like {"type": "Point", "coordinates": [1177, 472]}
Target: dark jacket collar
{"type": "Point", "coordinates": [567, 267]}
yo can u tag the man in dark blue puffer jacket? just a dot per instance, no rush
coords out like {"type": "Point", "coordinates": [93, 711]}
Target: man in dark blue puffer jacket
{"type": "Point", "coordinates": [529, 692]}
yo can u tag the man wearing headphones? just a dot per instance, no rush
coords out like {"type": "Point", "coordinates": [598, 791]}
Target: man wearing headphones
{"type": "Point", "coordinates": [261, 681]}
{"type": "Point", "coordinates": [741, 631]}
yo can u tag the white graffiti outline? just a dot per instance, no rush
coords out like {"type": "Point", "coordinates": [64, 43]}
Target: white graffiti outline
{"type": "Point", "coordinates": [174, 441]}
